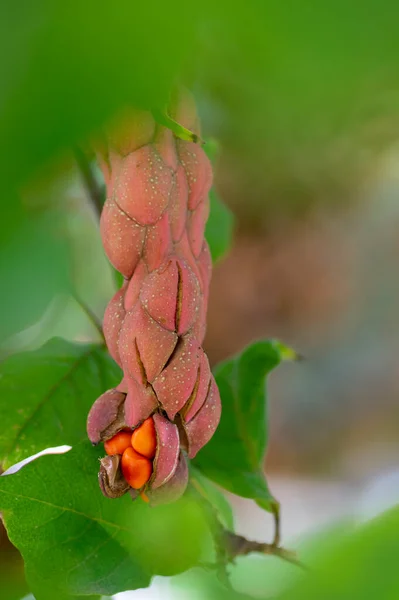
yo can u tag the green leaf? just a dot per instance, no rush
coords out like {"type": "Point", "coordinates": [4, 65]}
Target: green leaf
{"type": "Point", "coordinates": [45, 396]}
{"type": "Point", "coordinates": [219, 227]}
{"type": "Point", "coordinates": [211, 494]}
{"type": "Point", "coordinates": [76, 542]}
{"type": "Point", "coordinates": [234, 456]}
{"type": "Point", "coordinates": [362, 567]}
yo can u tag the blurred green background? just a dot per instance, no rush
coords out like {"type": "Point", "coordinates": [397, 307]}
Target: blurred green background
{"type": "Point", "coordinates": [302, 97]}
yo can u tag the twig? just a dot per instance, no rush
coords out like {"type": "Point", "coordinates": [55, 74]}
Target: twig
{"type": "Point", "coordinates": [90, 314]}
{"type": "Point", "coordinates": [229, 545]}
{"type": "Point", "coordinates": [93, 189]}
{"type": "Point", "coordinates": [237, 545]}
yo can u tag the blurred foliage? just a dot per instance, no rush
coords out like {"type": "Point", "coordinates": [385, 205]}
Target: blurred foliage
{"type": "Point", "coordinates": [46, 395]}
{"type": "Point", "coordinates": [234, 456]}
{"type": "Point", "coordinates": [74, 64]}
{"type": "Point", "coordinates": [302, 71]}
{"type": "Point", "coordinates": [362, 567]}
{"type": "Point", "coordinates": [301, 95]}
{"type": "Point", "coordinates": [68, 68]}
{"type": "Point", "coordinates": [34, 264]}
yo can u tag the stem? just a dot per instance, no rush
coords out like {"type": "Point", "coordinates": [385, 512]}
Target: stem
{"type": "Point", "coordinates": [180, 132]}
{"type": "Point", "coordinates": [90, 314]}
{"type": "Point", "coordinates": [93, 189]}
{"type": "Point", "coordinates": [276, 515]}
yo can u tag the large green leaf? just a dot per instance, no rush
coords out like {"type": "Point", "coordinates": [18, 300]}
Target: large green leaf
{"type": "Point", "coordinates": [45, 396]}
{"type": "Point", "coordinates": [234, 456]}
{"type": "Point", "coordinates": [76, 542]}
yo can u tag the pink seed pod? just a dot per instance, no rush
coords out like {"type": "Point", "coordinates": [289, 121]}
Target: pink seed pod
{"type": "Point", "coordinates": [200, 390]}
{"type": "Point", "coordinates": [152, 229]}
{"type": "Point", "coordinates": [144, 185]}
{"type": "Point", "coordinates": [198, 171]}
{"type": "Point", "coordinates": [175, 384]}
{"type": "Point", "coordinates": [140, 402]}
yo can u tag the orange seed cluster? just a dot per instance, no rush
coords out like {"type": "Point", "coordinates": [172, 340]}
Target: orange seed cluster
{"type": "Point", "coordinates": [137, 450]}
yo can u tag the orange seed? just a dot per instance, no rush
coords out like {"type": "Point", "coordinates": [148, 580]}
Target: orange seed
{"type": "Point", "coordinates": [136, 469]}
{"type": "Point", "coordinates": [144, 439]}
{"type": "Point", "coordinates": [118, 443]}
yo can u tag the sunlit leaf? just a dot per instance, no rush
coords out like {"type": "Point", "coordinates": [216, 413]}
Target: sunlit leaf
{"type": "Point", "coordinates": [76, 542]}
{"type": "Point", "coordinates": [45, 396]}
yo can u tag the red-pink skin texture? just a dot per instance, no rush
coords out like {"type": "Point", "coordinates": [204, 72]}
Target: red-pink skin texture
{"type": "Point", "coordinates": [103, 414]}
{"type": "Point", "coordinates": [168, 450]}
{"type": "Point", "coordinates": [174, 488]}
{"type": "Point", "coordinates": [113, 319]}
{"type": "Point", "coordinates": [153, 232]}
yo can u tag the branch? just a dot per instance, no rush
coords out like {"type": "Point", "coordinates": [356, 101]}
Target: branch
{"type": "Point", "coordinates": [229, 545]}
{"type": "Point", "coordinates": [238, 545]}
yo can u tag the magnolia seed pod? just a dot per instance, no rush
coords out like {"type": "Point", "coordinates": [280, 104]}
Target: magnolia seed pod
{"type": "Point", "coordinates": [152, 229]}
